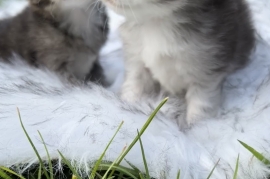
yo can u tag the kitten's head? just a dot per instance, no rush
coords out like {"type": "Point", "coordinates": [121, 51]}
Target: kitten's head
{"type": "Point", "coordinates": [144, 8]}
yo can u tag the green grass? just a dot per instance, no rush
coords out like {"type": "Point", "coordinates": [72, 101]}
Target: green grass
{"type": "Point", "coordinates": [256, 154]}
{"type": "Point", "coordinates": [101, 169]}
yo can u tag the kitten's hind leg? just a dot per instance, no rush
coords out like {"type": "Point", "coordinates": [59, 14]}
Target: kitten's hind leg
{"type": "Point", "coordinates": [138, 81]}
{"type": "Point", "coordinates": [202, 102]}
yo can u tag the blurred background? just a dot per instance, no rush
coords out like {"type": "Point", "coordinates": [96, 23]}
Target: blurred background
{"type": "Point", "coordinates": [11, 7]}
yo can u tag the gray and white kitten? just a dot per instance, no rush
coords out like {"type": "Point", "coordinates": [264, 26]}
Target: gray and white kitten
{"type": "Point", "coordinates": [63, 35]}
{"type": "Point", "coordinates": [185, 47]}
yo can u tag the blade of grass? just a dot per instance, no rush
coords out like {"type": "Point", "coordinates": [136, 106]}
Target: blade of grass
{"type": "Point", "coordinates": [141, 176]}
{"type": "Point", "coordinates": [31, 176]}
{"type": "Point", "coordinates": [39, 171]}
{"type": "Point", "coordinates": [144, 158]}
{"type": "Point", "coordinates": [142, 130]}
{"type": "Point", "coordinates": [11, 172]}
{"type": "Point", "coordinates": [33, 146]}
{"type": "Point", "coordinates": [120, 169]}
{"type": "Point", "coordinates": [236, 168]}
{"type": "Point", "coordinates": [109, 169]}
{"type": "Point", "coordinates": [147, 123]}
{"type": "Point", "coordinates": [98, 175]}
{"type": "Point", "coordinates": [74, 172]}
{"type": "Point", "coordinates": [255, 153]}
{"type": "Point", "coordinates": [105, 166]}
{"type": "Point", "coordinates": [4, 175]}
{"type": "Point", "coordinates": [112, 165]}
{"type": "Point", "coordinates": [178, 174]}
{"type": "Point", "coordinates": [48, 156]}
{"type": "Point", "coordinates": [133, 166]}
{"type": "Point", "coordinates": [93, 173]}
{"type": "Point", "coordinates": [121, 175]}
{"type": "Point", "coordinates": [213, 169]}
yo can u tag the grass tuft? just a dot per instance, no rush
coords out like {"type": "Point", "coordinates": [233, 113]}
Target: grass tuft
{"type": "Point", "coordinates": [256, 153]}
{"type": "Point", "coordinates": [100, 169]}
{"type": "Point", "coordinates": [142, 130]}
{"type": "Point", "coordinates": [33, 146]}
{"type": "Point", "coordinates": [108, 170]}
{"type": "Point", "coordinates": [93, 174]}
{"type": "Point", "coordinates": [4, 169]}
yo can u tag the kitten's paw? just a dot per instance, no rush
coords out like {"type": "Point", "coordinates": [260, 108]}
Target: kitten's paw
{"type": "Point", "coordinates": [131, 93]}
{"type": "Point", "coordinates": [202, 103]}
{"type": "Point", "coordinates": [192, 117]}
{"type": "Point", "coordinates": [130, 96]}
{"type": "Point", "coordinates": [200, 112]}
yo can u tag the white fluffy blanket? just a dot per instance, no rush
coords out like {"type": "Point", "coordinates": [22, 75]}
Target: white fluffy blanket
{"type": "Point", "coordinates": [80, 121]}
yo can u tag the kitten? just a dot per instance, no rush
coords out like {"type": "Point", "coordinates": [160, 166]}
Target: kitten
{"type": "Point", "coordinates": [185, 46]}
{"type": "Point", "coordinates": [63, 35]}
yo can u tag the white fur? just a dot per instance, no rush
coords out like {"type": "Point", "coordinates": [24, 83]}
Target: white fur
{"type": "Point", "coordinates": [142, 10]}
{"type": "Point", "coordinates": [261, 9]}
{"type": "Point", "coordinates": [80, 121]}
{"type": "Point", "coordinates": [152, 41]}
{"type": "Point", "coordinates": [157, 48]}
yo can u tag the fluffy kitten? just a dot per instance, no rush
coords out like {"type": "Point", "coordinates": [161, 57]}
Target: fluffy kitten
{"type": "Point", "coordinates": [62, 35]}
{"type": "Point", "coordinates": [185, 46]}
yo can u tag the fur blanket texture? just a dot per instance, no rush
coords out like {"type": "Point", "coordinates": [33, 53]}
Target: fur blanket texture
{"type": "Point", "coordinates": [80, 121]}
